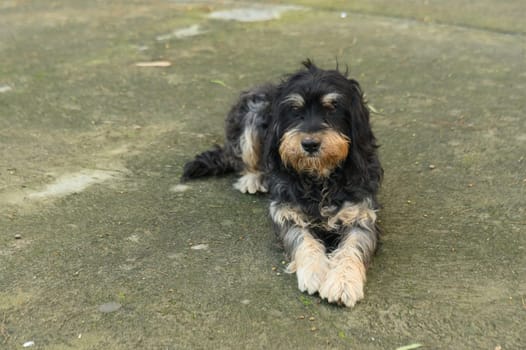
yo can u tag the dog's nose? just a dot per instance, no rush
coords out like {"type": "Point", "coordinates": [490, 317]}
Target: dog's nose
{"type": "Point", "coordinates": [310, 145]}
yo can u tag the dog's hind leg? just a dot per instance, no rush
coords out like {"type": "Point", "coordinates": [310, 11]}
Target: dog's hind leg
{"type": "Point", "coordinates": [253, 108]}
{"type": "Point", "coordinates": [251, 180]}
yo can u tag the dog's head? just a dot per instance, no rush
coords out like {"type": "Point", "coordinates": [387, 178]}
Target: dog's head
{"type": "Point", "coordinates": [320, 123]}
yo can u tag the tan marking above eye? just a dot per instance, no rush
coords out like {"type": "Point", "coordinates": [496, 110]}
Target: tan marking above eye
{"type": "Point", "coordinates": [330, 100]}
{"type": "Point", "coordinates": [296, 101]}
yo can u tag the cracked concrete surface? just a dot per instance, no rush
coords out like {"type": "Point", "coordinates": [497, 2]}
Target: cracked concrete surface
{"type": "Point", "coordinates": [92, 214]}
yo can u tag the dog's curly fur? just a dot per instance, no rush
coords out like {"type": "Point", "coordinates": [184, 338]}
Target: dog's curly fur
{"type": "Point", "coordinates": [308, 142]}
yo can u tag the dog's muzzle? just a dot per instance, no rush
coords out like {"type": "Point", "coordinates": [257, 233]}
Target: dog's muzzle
{"type": "Point", "coordinates": [317, 153]}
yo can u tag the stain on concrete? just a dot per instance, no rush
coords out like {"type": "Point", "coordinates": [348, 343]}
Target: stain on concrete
{"type": "Point", "coordinates": [255, 13]}
{"type": "Point", "coordinates": [449, 91]}
{"type": "Point", "coordinates": [73, 183]}
{"type": "Point", "coordinates": [108, 307]}
{"type": "Point", "coordinates": [182, 33]}
{"type": "Point", "coordinates": [64, 185]}
{"type": "Point", "coordinates": [179, 188]}
{"type": "Point", "coordinates": [199, 247]}
{"type": "Point", "coordinates": [5, 88]}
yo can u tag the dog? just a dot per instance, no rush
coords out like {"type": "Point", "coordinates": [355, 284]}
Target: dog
{"type": "Point", "coordinates": [307, 141]}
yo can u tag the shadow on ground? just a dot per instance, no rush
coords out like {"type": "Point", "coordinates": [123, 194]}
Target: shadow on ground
{"type": "Point", "coordinates": [101, 248]}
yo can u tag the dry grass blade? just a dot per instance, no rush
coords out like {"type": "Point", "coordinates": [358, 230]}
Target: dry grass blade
{"type": "Point", "coordinates": [154, 64]}
{"type": "Point", "coordinates": [410, 346]}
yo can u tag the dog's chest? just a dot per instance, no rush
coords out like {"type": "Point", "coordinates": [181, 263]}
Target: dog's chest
{"type": "Point", "coordinates": [322, 229]}
{"type": "Point", "coordinates": [321, 206]}
{"type": "Point", "coordinates": [320, 202]}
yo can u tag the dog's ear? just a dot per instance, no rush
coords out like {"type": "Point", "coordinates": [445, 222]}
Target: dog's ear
{"type": "Point", "coordinates": [271, 145]}
{"type": "Point", "coordinates": [363, 164]}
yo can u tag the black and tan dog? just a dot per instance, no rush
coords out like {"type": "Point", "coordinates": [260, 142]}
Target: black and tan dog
{"type": "Point", "coordinates": [308, 142]}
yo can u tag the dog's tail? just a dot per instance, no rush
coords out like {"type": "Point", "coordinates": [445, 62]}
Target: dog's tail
{"type": "Point", "coordinates": [209, 163]}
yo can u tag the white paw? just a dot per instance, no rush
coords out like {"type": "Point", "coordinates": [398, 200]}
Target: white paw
{"type": "Point", "coordinates": [311, 275]}
{"type": "Point", "coordinates": [343, 286]}
{"type": "Point", "coordinates": [250, 183]}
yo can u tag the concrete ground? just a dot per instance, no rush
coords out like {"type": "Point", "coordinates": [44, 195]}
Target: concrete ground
{"type": "Point", "coordinates": [102, 248]}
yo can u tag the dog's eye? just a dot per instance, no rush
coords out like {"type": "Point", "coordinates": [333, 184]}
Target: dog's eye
{"type": "Point", "coordinates": [298, 115]}
{"type": "Point", "coordinates": [296, 110]}
{"type": "Point", "coordinates": [331, 107]}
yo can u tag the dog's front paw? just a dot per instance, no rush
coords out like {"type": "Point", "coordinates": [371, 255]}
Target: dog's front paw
{"type": "Point", "coordinates": [312, 274]}
{"type": "Point", "coordinates": [343, 286]}
{"type": "Point", "coordinates": [250, 183]}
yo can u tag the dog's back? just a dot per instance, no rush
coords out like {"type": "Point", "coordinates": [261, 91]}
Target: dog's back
{"type": "Point", "coordinates": [245, 130]}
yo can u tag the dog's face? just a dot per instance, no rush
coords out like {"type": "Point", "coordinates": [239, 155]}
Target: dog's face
{"type": "Point", "coordinates": [316, 137]}
{"type": "Point", "coordinates": [316, 114]}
